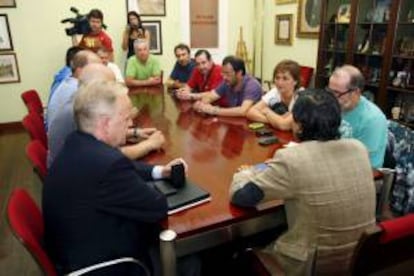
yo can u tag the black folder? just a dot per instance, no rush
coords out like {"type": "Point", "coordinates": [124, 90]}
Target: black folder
{"type": "Point", "coordinates": [180, 199]}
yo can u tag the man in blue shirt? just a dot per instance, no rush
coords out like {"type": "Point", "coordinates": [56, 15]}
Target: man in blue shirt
{"type": "Point", "coordinates": [183, 67]}
{"type": "Point", "coordinates": [64, 72]}
{"type": "Point", "coordinates": [61, 101]}
{"type": "Point", "coordinates": [69, 85]}
{"type": "Point", "coordinates": [368, 122]}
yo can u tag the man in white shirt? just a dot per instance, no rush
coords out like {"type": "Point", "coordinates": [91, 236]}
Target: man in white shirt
{"type": "Point", "coordinates": [105, 54]}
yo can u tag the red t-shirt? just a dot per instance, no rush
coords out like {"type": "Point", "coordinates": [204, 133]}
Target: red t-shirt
{"type": "Point", "coordinates": [212, 81]}
{"type": "Point", "coordinates": [199, 84]}
{"type": "Point", "coordinates": [96, 41]}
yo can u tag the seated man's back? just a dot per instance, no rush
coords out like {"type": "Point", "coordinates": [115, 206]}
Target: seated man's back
{"type": "Point", "coordinates": [60, 98]}
{"type": "Point", "coordinates": [327, 187]}
{"type": "Point", "coordinates": [60, 108]}
{"type": "Point", "coordinates": [96, 203]}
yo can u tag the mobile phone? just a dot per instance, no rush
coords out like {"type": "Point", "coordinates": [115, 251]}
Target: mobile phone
{"type": "Point", "coordinates": [177, 175]}
{"type": "Point", "coordinates": [264, 132]}
{"type": "Point", "coordinates": [268, 140]}
{"type": "Point", "coordinates": [256, 125]}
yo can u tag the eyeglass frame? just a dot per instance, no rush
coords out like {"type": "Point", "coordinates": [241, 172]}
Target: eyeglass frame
{"type": "Point", "coordinates": [340, 94]}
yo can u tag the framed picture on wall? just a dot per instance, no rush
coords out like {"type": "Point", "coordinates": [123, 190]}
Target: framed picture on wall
{"type": "Point", "coordinates": [154, 28]}
{"type": "Point", "coordinates": [7, 3]}
{"type": "Point", "coordinates": [9, 71]}
{"type": "Point", "coordinates": [283, 29]}
{"type": "Point", "coordinates": [6, 43]}
{"type": "Point", "coordinates": [147, 7]}
{"type": "Point", "coordinates": [308, 18]}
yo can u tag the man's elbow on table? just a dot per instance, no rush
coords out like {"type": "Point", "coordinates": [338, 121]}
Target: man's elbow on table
{"type": "Point", "coordinates": [248, 196]}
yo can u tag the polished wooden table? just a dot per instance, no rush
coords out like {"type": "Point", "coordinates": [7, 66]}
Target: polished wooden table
{"type": "Point", "coordinates": [213, 148]}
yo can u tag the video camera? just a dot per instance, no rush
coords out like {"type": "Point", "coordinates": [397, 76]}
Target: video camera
{"type": "Point", "coordinates": [80, 23]}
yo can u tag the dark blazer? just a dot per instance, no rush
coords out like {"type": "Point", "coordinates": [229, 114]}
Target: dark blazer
{"type": "Point", "coordinates": [97, 205]}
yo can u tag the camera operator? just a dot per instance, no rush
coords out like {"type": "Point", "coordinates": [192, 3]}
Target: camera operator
{"type": "Point", "coordinates": [134, 30]}
{"type": "Point", "coordinates": [97, 37]}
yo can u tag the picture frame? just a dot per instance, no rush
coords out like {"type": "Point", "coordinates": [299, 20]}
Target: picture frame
{"type": "Point", "coordinates": [283, 2]}
{"type": "Point", "coordinates": [154, 28]}
{"type": "Point", "coordinates": [7, 3]}
{"type": "Point", "coordinates": [9, 70]}
{"type": "Point", "coordinates": [308, 21]}
{"type": "Point", "coordinates": [6, 43]}
{"type": "Point", "coordinates": [147, 7]}
{"type": "Point", "coordinates": [283, 29]}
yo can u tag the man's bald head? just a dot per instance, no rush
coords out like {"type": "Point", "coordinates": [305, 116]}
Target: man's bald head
{"type": "Point", "coordinates": [96, 72]}
{"type": "Point", "coordinates": [81, 59]}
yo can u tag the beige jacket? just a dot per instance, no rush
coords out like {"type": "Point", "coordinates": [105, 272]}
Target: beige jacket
{"type": "Point", "coordinates": [329, 198]}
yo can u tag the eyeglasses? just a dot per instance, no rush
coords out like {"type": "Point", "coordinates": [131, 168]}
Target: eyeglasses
{"type": "Point", "coordinates": [337, 93]}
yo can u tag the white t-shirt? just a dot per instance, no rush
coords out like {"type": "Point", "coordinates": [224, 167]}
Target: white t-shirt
{"type": "Point", "coordinates": [117, 71]}
{"type": "Point", "coordinates": [273, 96]}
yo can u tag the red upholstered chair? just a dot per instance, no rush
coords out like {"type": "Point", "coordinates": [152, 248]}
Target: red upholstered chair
{"type": "Point", "coordinates": [37, 154]}
{"type": "Point", "coordinates": [386, 248]}
{"type": "Point", "coordinates": [306, 74]}
{"type": "Point", "coordinates": [34, 125]}
{"type": "Point", "coordinates": [32, 101]}
{"type": "Point", "coordinates": [26, 222]}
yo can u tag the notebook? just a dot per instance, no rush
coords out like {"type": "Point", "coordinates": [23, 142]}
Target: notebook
{"type": "Point", "coordinates": [180, 199]}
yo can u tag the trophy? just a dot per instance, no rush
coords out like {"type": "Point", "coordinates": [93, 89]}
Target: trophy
{"type": "Point", "coordinates": [241, 52]}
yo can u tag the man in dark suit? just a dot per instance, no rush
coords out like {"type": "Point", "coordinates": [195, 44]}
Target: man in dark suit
{"type": "Point", "coordinates": [96, 203]}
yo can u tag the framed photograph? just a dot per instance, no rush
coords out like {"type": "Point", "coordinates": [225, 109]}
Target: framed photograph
{"type": "Point", "coordinates": [154, 28]}
{"type": "Point", "coordinates": [283, 29]}
{"type": "Point", "coordinates": [281, 2]}
{"type": "Point", "coordinates": [9, 71]}
{"type": "Point", "coordinates": [6, 43]}
{"type": "Point", "coordinates": [147, 7]}
{"type": "Point", "coordinates": [308, 18]}
{"type": "Point", "coordinates": [7, 3]}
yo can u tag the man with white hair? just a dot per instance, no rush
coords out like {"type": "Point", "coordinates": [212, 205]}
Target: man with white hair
{"type": "Point", "coordinates": [368, 123]}
{"type": "Point", "coordinates": [143, 69]}
{"type": "Point", "coordinates": [96, 203]}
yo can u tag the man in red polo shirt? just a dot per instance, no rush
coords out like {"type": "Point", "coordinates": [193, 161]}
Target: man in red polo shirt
{"type": "Point", "coordinates": [206, 77]}
{"type": "Point", "coordinates": [96, 38]}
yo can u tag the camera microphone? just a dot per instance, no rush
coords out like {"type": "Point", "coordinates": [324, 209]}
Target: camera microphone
{"type": "Point", "coordinates": [74, 10]}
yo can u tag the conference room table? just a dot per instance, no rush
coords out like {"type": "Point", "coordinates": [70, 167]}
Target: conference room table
{"type": "Point", "coordinates": [214, 148]}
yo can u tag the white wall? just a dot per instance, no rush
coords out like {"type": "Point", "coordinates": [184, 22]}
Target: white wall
{"type": "Point", "coordinates": [302, 50]}
{"type": "Point", "coordinates": [40, 42]}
